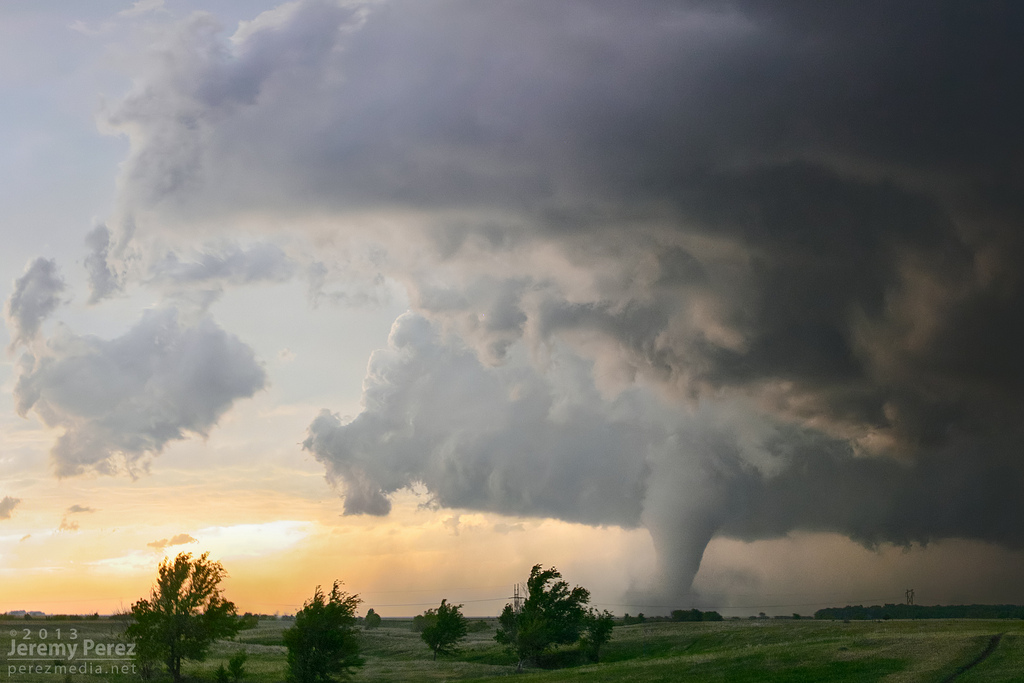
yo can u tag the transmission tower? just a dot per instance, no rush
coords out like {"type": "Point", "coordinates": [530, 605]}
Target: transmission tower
{"type": "Point", "coordinates": [910, 596]}
{"type": "Point", "coordinates": [517, 599]}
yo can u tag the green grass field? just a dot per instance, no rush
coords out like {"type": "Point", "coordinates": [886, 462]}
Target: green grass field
{"type": "Point", "coordinates": [763, 650]}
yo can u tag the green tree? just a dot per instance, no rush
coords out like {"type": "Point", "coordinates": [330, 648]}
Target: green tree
{"type": "Point", "coordinates": [444, 628]}
{"type": "Point", "coordinates": [372, 619]}
{"type": "Point", "coordinates": [323, 645]}
{"type": "Point", "coordinates": [184, 614]}
{"type": "Point", "coordinates": [597, 631]}
{"type": "Point", "coordinates": [236, 665]}
{"type": "Point", "coordinates": [552, 614]}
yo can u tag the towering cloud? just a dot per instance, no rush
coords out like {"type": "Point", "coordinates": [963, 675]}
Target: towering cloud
{"type": "Point", "coordinates": [800, 223]}
{"type": "Point", "coordinates": [500, 439]}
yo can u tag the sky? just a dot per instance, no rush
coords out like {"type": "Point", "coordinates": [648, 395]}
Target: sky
{"type": "Point", "coordinates": [707, 303]}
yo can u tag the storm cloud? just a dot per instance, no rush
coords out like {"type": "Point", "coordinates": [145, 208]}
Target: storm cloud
{"type": "Point", "coordinates": [119, 402]}
{"type": "Point", "coordinates": [809, 212]}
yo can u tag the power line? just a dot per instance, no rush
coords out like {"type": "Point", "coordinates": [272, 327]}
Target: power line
{"type": "Point", "coordinates": [420, 604]}
{"type": "Point", "coordinates": [33, 600]}
{"type": "Point", "coordinates": [784, 604]}
{"type": "Point", "coordinates": [432, 590]}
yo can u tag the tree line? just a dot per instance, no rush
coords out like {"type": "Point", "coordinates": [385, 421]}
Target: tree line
{"type": "Point", "coordinates": [676, 615]}
{"type": "Point", "coordinates": [893, 611]}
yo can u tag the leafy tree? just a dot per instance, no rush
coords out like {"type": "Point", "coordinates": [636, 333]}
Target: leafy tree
{"type": "Point", "coordinates": [444, 628]}
{"type": "Point", "coordinates": [551, 615]}
{"type": "Point", "coordinates": [597, 631]}
{"type": "Point", "coordinates": [372, 619]}
{"type": "Point", "coordinates": [184, 614]}
{"type": "Point", "coordinates": [323, 645]}
{"type": "Point", "coordinates": [236, 665]}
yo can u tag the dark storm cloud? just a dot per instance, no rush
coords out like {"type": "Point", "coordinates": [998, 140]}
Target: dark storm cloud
{"type": "Point", "coordinates": [572, 114]}
{"type": "Point", "coordinates": [123, 400]}
{"type": "Point", "coordinates": [813, 209]}
{"type": "Point", "coordinates": [965, 489]}
{"type": "Point", "coordinates": [36, 295]}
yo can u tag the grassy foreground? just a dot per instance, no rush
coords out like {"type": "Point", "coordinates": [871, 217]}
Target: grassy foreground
{"type": "Point", "coordinates": [764, 650]}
